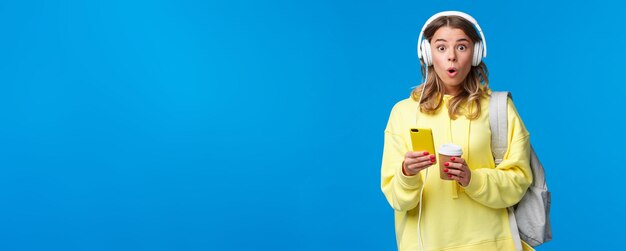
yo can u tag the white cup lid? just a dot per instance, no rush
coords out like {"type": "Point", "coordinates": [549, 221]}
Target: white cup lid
{"type": "Point", "coordinates": [451, 150]}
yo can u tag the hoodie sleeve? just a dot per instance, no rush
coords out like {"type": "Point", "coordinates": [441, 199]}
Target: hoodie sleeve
{"type": "Point", "coordinates": [505, 185]}
{"type": "Point", "coordinates": [401, 191]}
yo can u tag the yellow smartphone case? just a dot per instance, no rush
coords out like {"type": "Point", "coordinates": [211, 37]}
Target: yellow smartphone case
{"type": "Point", "coordinates": [422, 140]}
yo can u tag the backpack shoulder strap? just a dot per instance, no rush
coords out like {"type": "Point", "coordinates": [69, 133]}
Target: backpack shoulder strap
{"type": "Point", "coordinates": [498, 120]}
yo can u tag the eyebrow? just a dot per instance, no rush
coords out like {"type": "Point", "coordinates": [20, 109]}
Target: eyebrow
{"type": "Point", "coordinates": [459, 40]}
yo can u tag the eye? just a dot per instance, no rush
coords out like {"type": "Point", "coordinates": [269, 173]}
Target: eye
{"type": "Point", "coordinates": [462, 47]}
{"type": "Point", "coordinates": [441, 48]}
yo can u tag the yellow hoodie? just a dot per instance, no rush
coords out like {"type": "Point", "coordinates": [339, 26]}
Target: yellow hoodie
{"type": "Point", "coordinates": [453, 217]}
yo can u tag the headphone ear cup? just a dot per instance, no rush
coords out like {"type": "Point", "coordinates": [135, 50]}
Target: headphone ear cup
{"type": "Point", "coordinates": [478, 53]}
{"type": "Point", "coordinates": [426, 54]}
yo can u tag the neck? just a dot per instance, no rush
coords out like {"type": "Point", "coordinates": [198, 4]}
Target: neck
{"type": "Point", "coordinates": [451, 90]}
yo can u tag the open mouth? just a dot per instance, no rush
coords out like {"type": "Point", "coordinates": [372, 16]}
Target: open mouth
{"type": "Point", "coordinates": [452, 71]}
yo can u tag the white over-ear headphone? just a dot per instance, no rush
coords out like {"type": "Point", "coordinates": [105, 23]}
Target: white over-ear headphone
{"type": "Point", "coordinates": [423, 46]}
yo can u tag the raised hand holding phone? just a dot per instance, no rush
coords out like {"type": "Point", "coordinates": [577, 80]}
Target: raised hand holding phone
{"type": "Point", "coordinates": [423, 154]}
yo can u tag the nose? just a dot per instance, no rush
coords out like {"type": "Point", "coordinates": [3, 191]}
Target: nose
{"type": "Point", "coordinates": [451, 56]}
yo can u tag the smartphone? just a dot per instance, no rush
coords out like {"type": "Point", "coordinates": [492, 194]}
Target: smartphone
{"type": "Point", "coordinates": [422, 140]}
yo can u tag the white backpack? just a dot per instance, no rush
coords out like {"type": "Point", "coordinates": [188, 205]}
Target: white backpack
{"type": "Point", "coordinates": [531, 216]}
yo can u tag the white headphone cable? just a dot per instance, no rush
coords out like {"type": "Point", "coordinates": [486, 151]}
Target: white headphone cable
{"type": "Point", "coordinates": [419, 214]}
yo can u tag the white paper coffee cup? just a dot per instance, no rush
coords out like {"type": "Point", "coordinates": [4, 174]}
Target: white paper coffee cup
{"type": "Point", "coordinates": [445, 152]}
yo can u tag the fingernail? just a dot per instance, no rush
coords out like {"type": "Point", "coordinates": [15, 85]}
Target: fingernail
{"type": "Point", "coordinates": [445, 170]}
{"type": "Point", "coordinates": [425, 153]}
{"type": "Point", "coordinates": [446, 164]}
{"type": "Point", "coordinates": [452, 158]}
{"type": "Point", "coordinates": [432, 160]}
{"type": "Point", "coordinates": [449, 175]}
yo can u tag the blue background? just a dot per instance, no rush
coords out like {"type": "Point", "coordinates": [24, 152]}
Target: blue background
{"type": "Point", "coordinates": [243, 125]}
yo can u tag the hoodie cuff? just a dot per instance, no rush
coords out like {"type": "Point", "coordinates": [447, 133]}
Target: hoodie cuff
{"type": "Point", "coordinates": [477, 183]}
{"type": "Point", "coordinates": [409, 182]}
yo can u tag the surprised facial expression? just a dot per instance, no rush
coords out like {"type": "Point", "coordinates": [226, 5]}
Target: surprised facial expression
{"type": "Point", "coordinates": [452, 52]}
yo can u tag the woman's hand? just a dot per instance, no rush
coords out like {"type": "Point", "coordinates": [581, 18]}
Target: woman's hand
{"type": "Point", "coordinates": [416, 161]}
{"type": "Point", "coordinates": [459, 171]}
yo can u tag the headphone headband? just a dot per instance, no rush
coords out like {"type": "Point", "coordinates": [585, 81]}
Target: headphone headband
{"type": "Point", "coordinates": [452, 13]}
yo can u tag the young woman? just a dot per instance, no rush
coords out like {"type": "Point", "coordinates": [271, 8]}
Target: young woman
{"type": "Point", "coordinates": [468, 212]}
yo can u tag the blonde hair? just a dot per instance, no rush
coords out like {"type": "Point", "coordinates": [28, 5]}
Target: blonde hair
{"type": "Point", "coordinates": [473, 87]}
